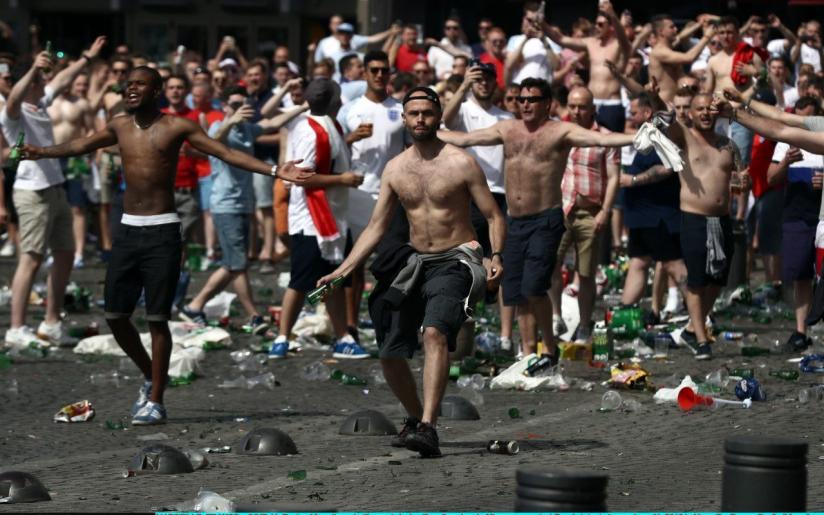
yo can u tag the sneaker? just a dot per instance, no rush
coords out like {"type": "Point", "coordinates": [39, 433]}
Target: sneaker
{"type": "Point", "coordinates": [190, 315]}
{"type": "Point", "coordinates": [258, 324]}
{"type": "Point", "coordinates": [424, 441]}
{"type": "Point", "coordinates": [346, 348]}
{"type": "Point", "coordinates": [142, 397]}
{"type": "Point", "coordinates": [150, 414]}
{"type": "Point", "coordinates": [799, 342]}
{"type": "Point", "coordinates": [267, 267]}
{"type": "Point", "coordinates": [410, 425]}
{"type": "Point", "coordinates": [651, 318]}
{"type": "Point", "coordinates": [279, 348]}
{"type": "Point", "coordinates": [673, 305]}
{"type": "Point", "coordinates": [687, 338]}
{"type": "Point", "coordinates": [583, 333]}
{"type": "Point", "coordinates": [559, 327]}
{"type": "Point", "coordinates": [8, 250]}
{"type": "Point", "coordinates": [53, 333]}
{"type": "Point", "coordinates": [79, 262]}
{"type": "Point", "coordinates": [702, 350]}
{"type": "Point", "coordinates": [23, 336]}
{"type": "Point", "coordinates": [506, 344]}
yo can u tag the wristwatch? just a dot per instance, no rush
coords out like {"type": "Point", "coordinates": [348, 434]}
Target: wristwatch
{"type": "Point", "coordinates": [274, 171]}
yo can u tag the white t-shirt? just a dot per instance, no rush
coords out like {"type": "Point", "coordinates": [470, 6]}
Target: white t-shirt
{"type": "Point", "coordinates": [442, 61]}
{"type": "Point", "coordinates": [810, 55]}
{"type": "Point", "coordinates": [472, 117]}
{"type": "Point", "coordinates": [370, 155]}
{"type": "Point", "coordinates": [329, 47]}
{"type": "Point", "coordinates": [808, 159]}
{"type": "Point", "coordinates": [37, 124]}
{"type": "Point", "coordinates": [790, 95]}
{"type": "Point", "coordinates": [535, 63]}
{"type": "Point", "coordinates": [301, 145]}
{"type": "Point", "coordinates": [777, 47]}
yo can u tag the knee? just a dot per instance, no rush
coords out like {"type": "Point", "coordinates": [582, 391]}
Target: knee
{"type": "Point", "coordinates": [432, 335]}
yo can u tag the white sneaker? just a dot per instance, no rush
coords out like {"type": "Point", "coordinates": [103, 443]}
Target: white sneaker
{"type": "Point", "coordinates": [79, 262]}
{"type": "Point", "coordinates": [23, 336]}
{"type": "Point", "coordinates": [674, 304]}
{"type": "Point", "coordinates": [506, 343]}
{"type": "Point", "coordinates": [53, 333]}
{"type": "Point", "coordinates": [8, 249]}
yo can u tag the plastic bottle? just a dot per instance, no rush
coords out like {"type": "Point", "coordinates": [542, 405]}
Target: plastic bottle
{"type": "Point", "coordinates": [786, 374]}
{"type": "Point", "coordinates": [812, 394]}
{"type": "Point", "coordinates": [475, 381]}
{"type": "Point", "coordinates": [267, 380]}
{"type": "Point", "coordinates": [611, 401]}
{"type": "Point", "coordinates": [106, 379]}
{"type": "Point", "coordinates": [319, 294]}
{"type": "Point", "coordinates": [732, 335]}
{"type": "Point", "coordinates": [210, 502]}
{"type": "Point", "coordinates": [316, 371]}
{"type": "Point", "coordinates": [718, 377]}
{"type": "Point", "coordinates": [376, 373]}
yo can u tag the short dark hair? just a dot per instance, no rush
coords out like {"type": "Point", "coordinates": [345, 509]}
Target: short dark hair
{"type": "Point", "coordinates": [346, 62]}
{"type": "Point", "coordinates": [121, 59]}
{"type": "Point", "coordinates": [465, 58]}
{"type": "Point", "coordinates": [644, 99]}
{"type": "Point", "coordinates": [560, 93]}
{"type": "Point", "coordinates": [658, 20]}
{"type": "Point", "coordinates": [685, 91]}
{"type": "Point", "coordinates": [282, 65]}
{"type": "Point", "coordinates": [729, 20]}
{"type": "Point", "coordinates": [402, 81]}
{"type": "Point", "coordinates": [807, 101]}
{"type": "Point", "coordinates": [234, 90]}
{"type": "Point", "coordinates": [375, 55]}
{"type": "Point", "coordinates": [453, 82]}
{"type": "Point", "coordinates": [157, 80]}
{"type": "Point", "coordinates": [540, 84]}
{"type": "Point", "coordinates": [177, 76]}
{"type": "Point", "coordinates": [531, 6]}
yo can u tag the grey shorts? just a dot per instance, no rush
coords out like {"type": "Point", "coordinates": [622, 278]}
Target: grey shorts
{"type": "Point", "coordinates": [188, 210]}
{"type": "Point", "coordinates": [233, 234]}
{"type": "Point", "coordinates": [263, 186]}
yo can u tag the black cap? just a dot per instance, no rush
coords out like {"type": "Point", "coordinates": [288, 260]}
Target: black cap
{"type": "Point", "coordinates": [422, 93]}
{"type": "Point", "coordinates": [321, 94]}
{"type": "Point", "coordinates": [485, 67]}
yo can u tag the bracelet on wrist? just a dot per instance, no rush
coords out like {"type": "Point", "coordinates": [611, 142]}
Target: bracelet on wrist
{"type": "Point", "coordinates": [500, 255]}
{"type": "Point", "coordinates": [274, 171]}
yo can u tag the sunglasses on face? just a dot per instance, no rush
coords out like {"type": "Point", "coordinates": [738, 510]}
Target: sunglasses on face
{"type": "Point", "coordinates": [376, 70]}
{"type": "Point", "coordinates": [531, 100]}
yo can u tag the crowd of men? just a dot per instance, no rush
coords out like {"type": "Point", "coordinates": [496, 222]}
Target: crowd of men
{"type": "Point", "coordinates": [358, 152]}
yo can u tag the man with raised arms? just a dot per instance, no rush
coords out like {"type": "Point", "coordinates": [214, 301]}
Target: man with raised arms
{"type": "Point", "coordinates": [535, 157]}
{"type": "Point", "coordinates": [435, 183]}
{"type": "Point", "coordinates": [147, 246]}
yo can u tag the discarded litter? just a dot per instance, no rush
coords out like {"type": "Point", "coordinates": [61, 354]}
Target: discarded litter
{"type": "Point", "coordinates": [267, 380]}
{"type": "Point", "coordinates": [630, 376]}
{"type": "Point", "coordinates": [750, 389]}
{"type": "Point", "coordinates": [316, 371]}
{"type": "Point", "coordinates": [217, 450]}
{"type": "Point", "coordinates": [813, 363]}
{"type": "Point", "coordinates": [11, 387]}
{"type": "Point", "coordinates": [475, 381]}
{"type": "Point", "coordinates": [115, 426]}
{"type": "Point", "coordinates": [510, 447]}
{"type": "Point", "coordinates": [297, 475]}
{"type": "Point", "coordinates": [785, 374]}
{"type": "Point", "coordinates": [719, 378]}
{"type": "Point", "coordinates": [197, 458]}
{"type": "Point", "coordinates": [488, 342]}
{"type": "Point", "coordinates": [751, 351]}
{"type": "Point", "coordinates": [688, 399]}
{"type": "Point", "coordinates": [514, 413]}
{"type": "Point", "coordinates": [208, 502]}
{"type": "Point", "coordinates": [106, 379]}
{"type": "Point", "coordinates": [153, 437]}
{"type": "Point", "coordinates": [814, 393]}
{"type": "Point", "coordinates": [611, 401]}
{"type": "Point", "coordinates": [376, 373]}
{"type": "Point", "coordinates": [81, 411]}
{"type": "Point", "coordinates": [347, 379]}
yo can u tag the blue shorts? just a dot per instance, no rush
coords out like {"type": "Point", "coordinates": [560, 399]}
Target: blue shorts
{"type": "Point", "coordinates": [233, 235]}
{"type": "Point", "coordinates": [75, 193]}
{"type": "Point", "coordinates": [530, 252]}
{"type": "Point", "coordinates": [204, 191]}
{"type": "Point", "coordinates": [798, 251]}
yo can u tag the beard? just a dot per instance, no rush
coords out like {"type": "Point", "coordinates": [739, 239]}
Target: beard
{"type": "Point", "coordinates": [428, 135]}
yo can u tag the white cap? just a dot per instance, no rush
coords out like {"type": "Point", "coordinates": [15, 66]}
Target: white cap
{"type": "Point", "coordinates": [227, 62]}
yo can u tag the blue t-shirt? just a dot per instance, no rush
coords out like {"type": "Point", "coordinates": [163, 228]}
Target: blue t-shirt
{"type": "Point", "coordinates": [646, 206]}
{"type": "Point", "coordinates": [232, 191]}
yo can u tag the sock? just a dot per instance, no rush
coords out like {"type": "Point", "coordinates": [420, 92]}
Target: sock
{"type": "Point", "coordinates": [280, 339]}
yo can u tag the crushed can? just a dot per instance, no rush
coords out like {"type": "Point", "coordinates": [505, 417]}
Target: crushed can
{"type": "Point", "coordinates": [275, 314]}
{"type": "Point", "coordinates": [750, 388]}
{"type": "Point", "coordinates": [503, 447]}
{"type": "Point", "coordinates": [601, 343]}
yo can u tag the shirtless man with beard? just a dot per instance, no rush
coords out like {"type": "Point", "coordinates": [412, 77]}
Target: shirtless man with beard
{"type": "Point", "coordinates": [147, 245]}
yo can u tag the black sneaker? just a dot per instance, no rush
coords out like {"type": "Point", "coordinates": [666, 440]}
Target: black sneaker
{"type": "Point", "coordinates": [651, 318]}
{"type": "Point", "coordinates": [410, 425]}
{"type": "Point", "coordinates": [687, 338]}
{"type": "Point", "coordinates": [702, 350]}
{"type": "Point", "coordinates": [799, 342]}
{"type": "Point", "coordinates": [424, 441]}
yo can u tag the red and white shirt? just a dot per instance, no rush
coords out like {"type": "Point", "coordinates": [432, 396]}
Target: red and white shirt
{"type": "Point", "coordinates": [586, 173]}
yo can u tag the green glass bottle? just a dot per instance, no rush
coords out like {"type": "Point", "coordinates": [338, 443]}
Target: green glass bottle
{"type": "Point", "coordinates": [318, 294]}
{"type": "Point", "coordinates": [754, 351]}
{"type": "Point", "coordinates": [16, 153]}
{"type": "Point", "coordinates": [786, 374]}
{"type": "Point", "coordinates": [49, 50]}
{"type": "Point", "coordinates": [336, 374]}
{"type": "Point", "coordinates": [743, 373]}
{"type": "Point", "coordinates": [351, 379]}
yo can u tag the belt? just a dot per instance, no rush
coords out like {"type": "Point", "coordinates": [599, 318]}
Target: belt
{"type": "Point", "coordinates": [185, 190]}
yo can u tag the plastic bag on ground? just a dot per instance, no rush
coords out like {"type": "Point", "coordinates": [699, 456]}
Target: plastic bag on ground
{"type": "Point", "coordinates": [513, 378]}
{"type": "Point", "coordinates": [671, 394]}
{"type": "Point", "coordinates": [208, 502]}
{"type": "Point", "coordinates": [218, 306]}
{"type": "Point", "coordinates": [314, 324]}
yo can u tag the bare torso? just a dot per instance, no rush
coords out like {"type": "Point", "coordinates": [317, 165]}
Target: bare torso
{"type": "Point", "coordinates": [71, 117]}
{"type": "Point", "coordinates": [666, 74]}
{"type": "Point", "coordinates": [720, 66]}
{"type": "Point", "coordinates": [149, 162]}
{"type": "Point", "coordinates": [601, 82]}
{"type": "Point", "coordinates": [535, 163]}
{"type": "Point", "coordinates": [705, 180]}
{"type": "Point", "coordinates": [435, 194]}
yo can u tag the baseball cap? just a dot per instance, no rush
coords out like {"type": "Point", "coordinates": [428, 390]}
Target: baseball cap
{"type": "Point", "coordinates": [346, 27]}
{"type": "Point", "coordinates": [227, 62]}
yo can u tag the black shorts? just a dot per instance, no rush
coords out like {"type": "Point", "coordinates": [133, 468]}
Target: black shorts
{"type": "Point", "coordinates": [694, 248]}
{"type": "Point", "coordinates": [437, 301]}
{"type": "Point", "coordinates": [612, 117]}
{"type": "Point", "coordinates": [530, 252]}
{"type": "Point", "coordinates": [306, 263]}
{"type": "Point", "coordinates": [8, 189]}
{"type": "Point", "coordinates": [481, 226]}
{"type": "Point", "coordinates": [143, 258]}
{"type": "Point", "coordinates": [655, 242]}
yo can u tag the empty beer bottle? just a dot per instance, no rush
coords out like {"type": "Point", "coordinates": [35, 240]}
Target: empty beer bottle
{"type": "Point", "coordinates": [50, 51]}
{"type": "Point", "coordinates": [754, 351]}
{"type": "Point", "coordinates": [16, 152]}
{"type": "Point", "coordinates": [743, 373]}
{"type": "Point", "coordinates": [786, 374]}
{"type": "Point", "coordinates": [319, 294]}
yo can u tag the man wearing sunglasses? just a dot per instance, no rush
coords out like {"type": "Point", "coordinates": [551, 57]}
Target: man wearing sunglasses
{"type": "Point", "coordinates": [536, 151]}
{"type": "Point", "coordinates": [666, 64]}
{"type": "Point", "coordinates": [374, 128]}
{"type": "Point", "coordinates": [442, 53]}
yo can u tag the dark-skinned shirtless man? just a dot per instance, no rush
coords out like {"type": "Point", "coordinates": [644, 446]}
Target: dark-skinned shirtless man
{"type": "Point", "coordinates": [146, 250]}
{"type": "Point", "coordinates": [436, 184]}
{"type": "Point", "coordinates": [535, 157]}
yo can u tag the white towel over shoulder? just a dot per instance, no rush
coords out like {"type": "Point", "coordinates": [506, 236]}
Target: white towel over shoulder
{"type": "Point", "coordinates": [649, 138]}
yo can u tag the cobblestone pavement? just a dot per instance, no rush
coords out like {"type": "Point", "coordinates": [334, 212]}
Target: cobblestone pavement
{"type": "Point", "coordinates": [658, 459]}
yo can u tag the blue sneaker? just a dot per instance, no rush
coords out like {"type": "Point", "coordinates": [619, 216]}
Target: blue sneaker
{"type": "Point", "coordinates": [190, 315]}
{"type": "Point", "coordinates": [258, 325]}
{"type": "Point", "coordinates": [279, 349]}
{"type": "Point", "coordinates": [349, 350]}
{"type": "Point", "coordinates": [142, 397]}
{"type": "Point", "coordinates": [150, 414]}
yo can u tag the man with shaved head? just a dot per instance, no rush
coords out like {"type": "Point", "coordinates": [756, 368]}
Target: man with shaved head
{"type": "Point", "coordinates": [445, 275]}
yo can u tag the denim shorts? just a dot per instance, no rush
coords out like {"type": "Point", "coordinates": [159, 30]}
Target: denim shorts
{"type": "Point", "coordinates": [204, 191]}
{"type": "Point", "coordinates": [233, 235]}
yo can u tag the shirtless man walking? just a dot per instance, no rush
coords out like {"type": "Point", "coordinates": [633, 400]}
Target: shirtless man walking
{"type": "Point", "coordinates": [72, 118]}
{"type": "Point", "coordinates": [706, 228]}
{"type": "Point", "coordinates": [667, 65]}
{"type": "Point", "coordinates": [535, 157]}
{"type": "Point", "coordinates": [610, 43]}
{"type": "Point", "coordinates": [435, 183]}
{"type": "Point", "coordinates": [147, 247]}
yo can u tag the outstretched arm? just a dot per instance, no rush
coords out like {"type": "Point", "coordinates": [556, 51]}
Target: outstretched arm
{"type": "Point", "coordinates": [762, 109]}
{"type": "Point", "coordinates": [75, 147]}
{"type": "Point", "coordinates": [371, 236]}
{"type": "Point", "coordinates": [482, 137]}
{"type": "Point", "coordinates": [201, 141]}
{"type": "Point", "coordinates": [577, 136]}
{"type": "Point", "coordinates": [802, 138]}
{"type": "Point", "coordinates": [66, 76]}
{"type": "Point", "coordinates": [482, 197]}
